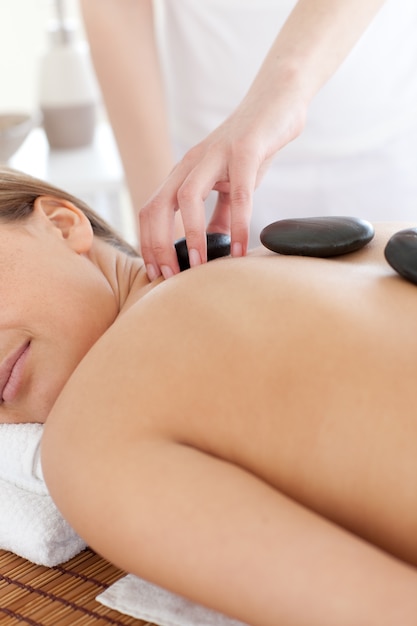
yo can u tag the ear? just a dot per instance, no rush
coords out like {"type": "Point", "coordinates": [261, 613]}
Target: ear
{"type": "Point", "coordinates": [71, 222]}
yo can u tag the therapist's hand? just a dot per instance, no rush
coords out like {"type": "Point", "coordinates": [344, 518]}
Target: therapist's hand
{"type": "Point", "coordinates": [232, 161]}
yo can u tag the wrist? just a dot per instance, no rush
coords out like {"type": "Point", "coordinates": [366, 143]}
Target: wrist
{"type": "Point", "coordinates": [278, 101]}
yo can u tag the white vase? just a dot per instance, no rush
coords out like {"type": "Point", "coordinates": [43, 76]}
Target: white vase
{"type": "Point", "coordinates": [68, 92]}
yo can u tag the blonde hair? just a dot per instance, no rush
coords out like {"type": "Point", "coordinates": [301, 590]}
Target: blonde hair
{"type": "Point", "coordinates": [18, 192]}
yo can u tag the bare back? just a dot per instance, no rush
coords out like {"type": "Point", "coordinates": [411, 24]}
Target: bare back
{"type": "Point", "coordinates": [302, 371]}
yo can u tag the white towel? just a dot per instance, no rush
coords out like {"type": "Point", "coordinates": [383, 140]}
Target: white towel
{"type": "Point", "coordinates": [138, 598]}
{"type": "Point", "coordinates": [19, 458]}
{"type": "Point", "coordinates": [30, 524]}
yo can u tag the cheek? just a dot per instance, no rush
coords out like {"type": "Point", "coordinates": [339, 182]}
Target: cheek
{"type": "Point", "coordinates": [85, 309]}
{"type": "Point", "coordinates": [24, 287]}
{"type": "Point", "coordinates": [61, 342]}
{"type": "Point", "coordinates": [78, 310]}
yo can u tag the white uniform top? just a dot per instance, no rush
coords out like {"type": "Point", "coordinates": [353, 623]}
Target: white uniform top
{"type": "Point", "coordinates": [211, 51]}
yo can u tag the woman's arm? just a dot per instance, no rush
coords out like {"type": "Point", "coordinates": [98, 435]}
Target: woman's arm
{"type": "Point", "coordinates": [263, 454]}
{"type": "Point", "coordinates": [316, 38]}
{"type": "Point", "coordinates": [123, 47]}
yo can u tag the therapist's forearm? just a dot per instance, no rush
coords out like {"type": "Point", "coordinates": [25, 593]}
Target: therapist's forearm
{"type": "Point", "coordinates": [123, 47]}
{"type": "Point", "coordinates": [312, 44]}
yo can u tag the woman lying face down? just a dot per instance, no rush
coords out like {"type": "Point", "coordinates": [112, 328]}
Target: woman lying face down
{"type": "Point", "coordinates": [243, 434]}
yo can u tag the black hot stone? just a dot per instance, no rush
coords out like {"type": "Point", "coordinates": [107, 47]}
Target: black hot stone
{"type": "Point", "coordinates": [317, 236]}
{"type": "Point", "coordinates": [218, 245]}
{"type": "Point", "coordinates": [401, 253]}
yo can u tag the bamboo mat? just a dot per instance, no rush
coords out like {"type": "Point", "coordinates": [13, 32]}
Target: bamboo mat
{"type": "Point", "coordinates": [58, 596]}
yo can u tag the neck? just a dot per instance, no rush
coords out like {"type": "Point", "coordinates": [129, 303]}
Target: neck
{"type": "Point", "coordinates": [126, 275]}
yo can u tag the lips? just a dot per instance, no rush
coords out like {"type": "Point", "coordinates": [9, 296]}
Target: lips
{"type": "Point", "coordinates": [11, 372]}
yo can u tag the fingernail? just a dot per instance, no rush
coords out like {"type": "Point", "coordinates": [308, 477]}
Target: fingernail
{"type": "Point", "coordinates": [237, 249]}
{"type": "Point", "coordinates": [166, 271]}
{"type": "Point", "coordinates": [194, 257]}
{"type": "Point", "coordinates": [151, 272]}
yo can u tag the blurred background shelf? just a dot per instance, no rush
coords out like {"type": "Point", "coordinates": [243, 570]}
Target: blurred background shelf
{"type": "Point", "coordinates": [92, 173]}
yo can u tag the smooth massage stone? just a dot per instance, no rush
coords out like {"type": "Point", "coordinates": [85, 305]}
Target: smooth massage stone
{"type": "Point", "coordinates": [317, 236]}
{"type": "Point", "coordinates": [401, 253]}
{"type": "Point", "coordinates": [218, 245]}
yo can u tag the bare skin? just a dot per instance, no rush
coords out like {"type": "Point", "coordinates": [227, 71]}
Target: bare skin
{"type": "Point", "coordinates": [133, 91]}
{"type": "Point", "coordinates": [245, 434]}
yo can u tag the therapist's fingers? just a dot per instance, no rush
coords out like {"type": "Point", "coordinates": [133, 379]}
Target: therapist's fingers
{"type": "Point", "coordinates": [243, 173]}
{"type": "Point", "coordinates": [191, 204]}
{"type": "Point", "coordinates": [208, 172]}
{"type": "Point", "coordinates": [185, 189]}
{"type": "Point", "coordinates": [156, 229]}
{"type": "Point", "coordinates": [220, 218]}
{"type": "Point", "coordinates": [229, 167]}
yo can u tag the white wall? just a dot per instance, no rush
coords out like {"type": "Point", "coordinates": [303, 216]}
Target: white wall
{"type": "Point", "coordinates": [23, 26]}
